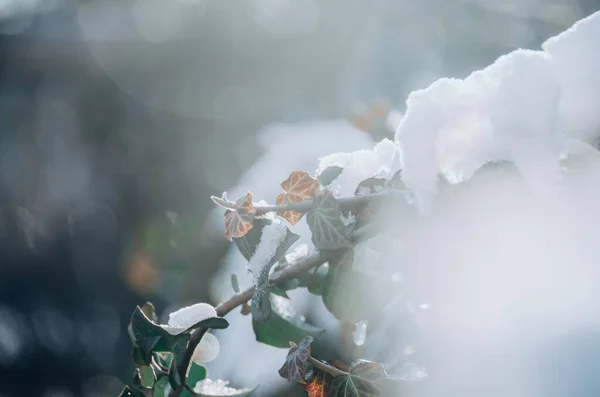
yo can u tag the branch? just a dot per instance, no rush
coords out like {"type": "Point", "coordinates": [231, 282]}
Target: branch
{"type": "Point", "coordinates": [331, 370]}
{"type": "Point", "coordinates": [307, 205]}
{"type": "Point", "coordinates": [288, 273]}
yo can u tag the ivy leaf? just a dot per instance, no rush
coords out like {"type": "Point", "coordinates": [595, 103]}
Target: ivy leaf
{"type": "Point", "coordinates": [298, 187]}
{"type": "Point", "coordinates": [370, 370]}
{"type": "Point", "coordinates": [150, 312]}
{"type": "Point", "coordinates": [283, 325]}
{"type": "Point", "coordinates": [129, 392]}
{"type": "Point", "coordinates": [352, 296]}
{"type": "Point", "coordinates": [315, 280]}
{"type": "Point", "coordinates": [249, 244]}
{"type": "Point", "coordinates": [328, 230]}
{"type": "Point", "coordinates": [195, 374]}
{"type": "Point", "coordinates": [147, 376]}
{"type": "Point", "coordinates": [371, 185]}
{"type": "Point", "coordinates": [239, 221]}
{"type": "Point", "coordinates": [294, 368]}
{"type": "Point", "coordinates": [317, 383]}
{"type": "Point", "coordinates": [329, 174]}
{"type": "Point", "coordinates": [353, 386]}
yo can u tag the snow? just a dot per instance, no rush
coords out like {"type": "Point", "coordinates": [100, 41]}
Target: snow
{"type": "Point", "coordinates": [271, 238]}
{"type": "Point", "coordinates": [185, 317]}
{"type": "Point", "coordinates": [359, 165]}
{"type": "Point", "coordinates": [518, 109]}
{"type": "Point", "coordinates": [209, 387]}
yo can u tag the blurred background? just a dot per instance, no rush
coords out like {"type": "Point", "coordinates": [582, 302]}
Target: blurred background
{"type": "Point", "coordinates": [119, 119]}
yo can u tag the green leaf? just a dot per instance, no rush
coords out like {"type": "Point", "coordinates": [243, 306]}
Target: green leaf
{"type": "Point", "coordinates": [150, 312]}
{"type": "Point", "coordinates": [159, 387]}
{"type": "Point", "coordinates": [353, 386]}
{"type": "Point", "coordinates": [162, 360]}
{"type": "Point", "coordinates": [234, 283]}
{"type": "Point", "coordinates": [294, 368]}
{"type": "Point", "coordinates": [248, 244]}
{"type": "Point", "coordinates": [147, 376]}
{"type": "Point", "coordinates": [325, 223]}
{"type": "Point", "coordinates": [370, 370]}
{"type": "Point", "coordinates": [352, 296]}
{"type": "Point", "coordinates": [329, 174]}
{"type": "Point", "coordinates": [283, 325]}
{"type": "Point", "coordinates": [131, 392]}
{"type": "Point", "coordinates": [315, 280]}
{"type": "Point", "coordinates": [220, 388]}
{"type": "Point", "coordinates": [196, 374]}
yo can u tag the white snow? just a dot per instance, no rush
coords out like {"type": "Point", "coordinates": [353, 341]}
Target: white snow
{"type": "Point", "coordinates": [209, 387]}
{"type": "Point", "coordinates": [359, 165]}
{"type": "Point", "coordinates": [185, 317]}
{"type": "Point", "coordinates": [271, 238]}
{"type": "Point", "coordinates": [516, 109]}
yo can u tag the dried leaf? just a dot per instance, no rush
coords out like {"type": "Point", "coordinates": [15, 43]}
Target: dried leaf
{"type": "Point", "coordinates": [239, 221]}
{"type": "Point", "coordinates": [294, 368]}
{"type": "Point", "coordinates": [291, 216]}
{"type": "Point", "coordinates": [298, 187]}
{"type": "Point", "coordinates": [317, 383]}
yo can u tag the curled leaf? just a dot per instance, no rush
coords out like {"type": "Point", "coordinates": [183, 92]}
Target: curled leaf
{"type": "Point", "coordinates": [239, 221]}
{"type": "Point", "coordinates": [294, 368]}
{"type": "Point", "coordinates": [290, 215]}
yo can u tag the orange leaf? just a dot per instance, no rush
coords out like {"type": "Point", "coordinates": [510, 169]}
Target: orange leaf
{"type": "Point", "coordinates": [239, 221]}
{"type": "Point", "coordinates": [299, 186]}
{"type": "Point", "coordinates": [291, 216]}
{"type": "Point", "coordinates": [318, 385]}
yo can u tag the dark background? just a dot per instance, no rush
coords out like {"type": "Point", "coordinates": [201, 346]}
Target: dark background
{"type": "Point", "coordinates": [109, 117]}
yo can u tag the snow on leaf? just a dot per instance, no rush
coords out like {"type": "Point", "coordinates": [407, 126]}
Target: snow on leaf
{"type": "Point", "coordinates": [329, 174]}
{"type": "Point", "coordinates": [325, 223]}
{"type": "Point", "coordinates": [217, 388]}
{"type": "Point", "coordinates": [370, 370]}
{"type": "Point", "coordinates": [185, 317]}
{"type": "Point", "coordinates": [238, 222]}
{"type": "Point", "coordinates": [317, 383]}
{"type": "Point", "coordinates": [294, 368]}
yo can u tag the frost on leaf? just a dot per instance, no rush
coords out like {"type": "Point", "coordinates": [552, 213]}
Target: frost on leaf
{"type": "Point", "coordinates": [238, 222]}
{"type": "Point", "coordinates": [294, 368]}
{"type": "Point", "coordinates": [317, 383]}
{"type": "Point", "coordinates": [325, 223]}
{"type": "Point", "coordinates": [300, 186]}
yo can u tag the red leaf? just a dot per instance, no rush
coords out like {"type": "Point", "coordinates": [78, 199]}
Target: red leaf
{"type": "Point", "coordinates": [239, 221]}
{"type": "Point", "coordinates": [319, 384]}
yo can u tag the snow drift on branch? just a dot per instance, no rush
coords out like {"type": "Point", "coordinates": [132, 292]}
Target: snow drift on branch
{"type": "Point", "coordinates": [516, 109]}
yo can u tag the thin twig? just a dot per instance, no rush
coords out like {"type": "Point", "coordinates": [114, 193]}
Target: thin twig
{"type": "Point", "coordinates": [287, 273]}
{"type": "Point", "coordinates": [331, 370]}
{"type": "Point", "coordinates": [307, 205]}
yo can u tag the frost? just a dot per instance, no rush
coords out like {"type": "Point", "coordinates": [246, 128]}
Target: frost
{"type": "Point", "coordinates": [360, 165]}
{"type": "Point", "coordinates": [185, 317]}
{"type": "Point", "coordinates": [272, 236]}
{"type": "Point", "coordinates": [209, 387]}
